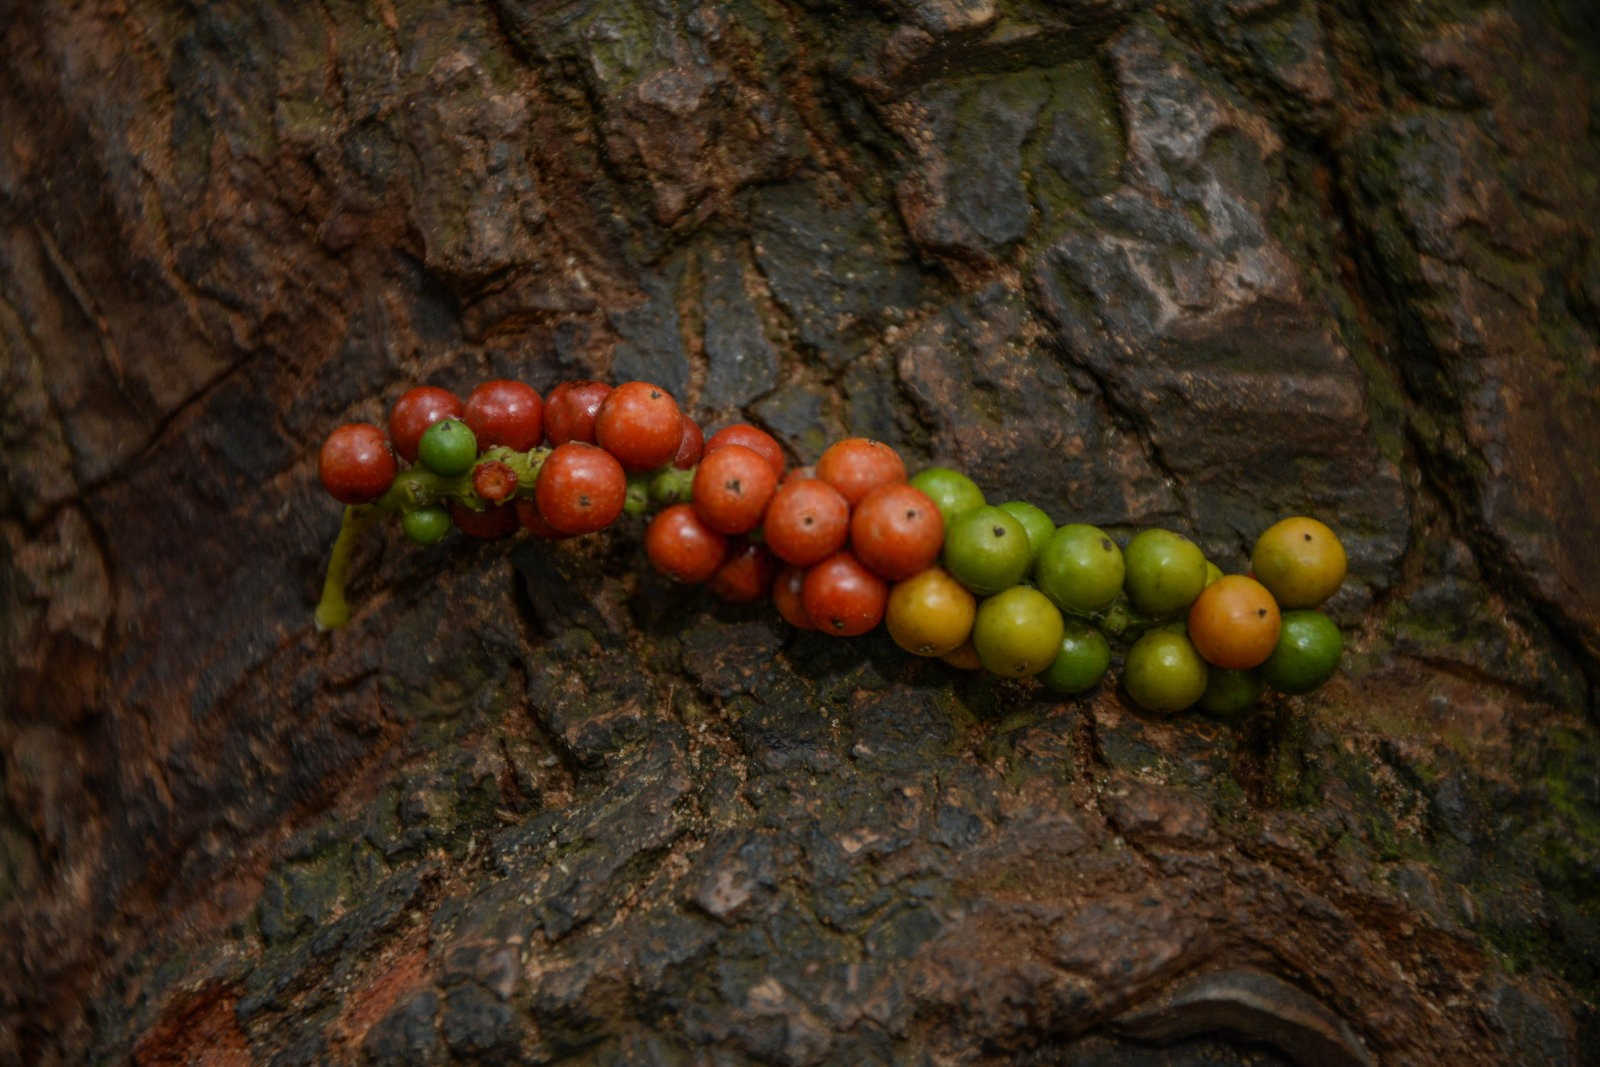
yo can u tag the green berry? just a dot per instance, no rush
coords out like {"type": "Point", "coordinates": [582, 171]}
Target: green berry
{"type": "Point", "coordinates": [448, 448]}
{"type": "Point", "coordinates": [1081, 662]}
{"type": "Point", "coordinates": [987, 550]}
{"type": "Point", "coordinates": [1038, 525]}
{"type": "Point", "coordinates": [426, 526]}
{"type": "Point", "coordinates": [952, 492]}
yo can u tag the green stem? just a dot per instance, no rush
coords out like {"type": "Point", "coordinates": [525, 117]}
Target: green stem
{"type": "Point", "coordinates": [672, 486]}
{"type": "Point", "coordinates": [333, 611]}
{"type": "Point", "coordinates": [419, 487]}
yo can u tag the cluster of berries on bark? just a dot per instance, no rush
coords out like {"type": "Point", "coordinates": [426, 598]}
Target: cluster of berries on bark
{"type": "Point", "coordinates": [847, 544]}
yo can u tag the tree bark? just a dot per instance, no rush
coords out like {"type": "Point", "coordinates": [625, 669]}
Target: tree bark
{"type": "Point", "coordinates": [1200, 265]}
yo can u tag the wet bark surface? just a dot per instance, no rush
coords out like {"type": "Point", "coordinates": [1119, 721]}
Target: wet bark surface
{"type": "Point", "coordinates": [1192, 264]}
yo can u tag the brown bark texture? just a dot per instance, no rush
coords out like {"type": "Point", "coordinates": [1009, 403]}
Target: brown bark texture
{"type": "Point", "coordinates": [1197, 264]}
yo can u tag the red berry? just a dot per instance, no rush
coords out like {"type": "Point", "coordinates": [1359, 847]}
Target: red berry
{"type": "Point", "coordinates": [505, 413]}
{"type": "Point", "coordinates": [356, 465]}
{"type": "Point", "coordinates": [806, 522]}
{"type": "Point", "coordinates": [640, 424]}
{"type": "Point", "coordinates": [856, 466]}
{"type": "Point", "coordinates": [896, 531]}
{"type": "Point", "coordinates": [533, 522]}
{"type": "Point", "coordinates": [842, 597]}
{"type": "Point", "coordinates": [494, 481]}
{"type": "Point", "coordinates": [731, 488]}
{"type": "Point", "coordinates": [415, 411]}
{"type": "Point", "coordinates": [490, 524]}
{"type": "Point", "coordinates": [756, 440]}
{"type": "Point", "coordinates": [745, 576]}
{"type": "Point", "coordinates": [682, 547]}
{"type": "Point", "coordinates": [570, 410]}
{"type": "Point", "coordinates": [691, 446]}
{"type": "Point", "coordinates": [580, 489]}
{"type": "Point", "coordinates": [786, 595]}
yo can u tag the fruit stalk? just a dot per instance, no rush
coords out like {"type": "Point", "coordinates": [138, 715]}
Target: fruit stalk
{"type": "Point", "coordinates": [413, 488]}
{"type": "Point", "coordinates": [333, 611]}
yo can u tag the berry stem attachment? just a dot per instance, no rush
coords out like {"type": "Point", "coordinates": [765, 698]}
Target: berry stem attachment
{"type": "Point", "coordinates": [333, 611]}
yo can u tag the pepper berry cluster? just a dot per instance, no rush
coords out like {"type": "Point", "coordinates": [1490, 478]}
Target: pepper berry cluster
{"type": "Point", "coordinates": [847, 544]}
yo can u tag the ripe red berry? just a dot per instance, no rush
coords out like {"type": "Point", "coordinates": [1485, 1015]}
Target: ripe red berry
{"type": "Point", "coordinates": [755, 439]}
{"type": "Point", "coordinates": [786, 590]}
{"type": "Point", "coordinates": [640, 424]}
{"type": "Point", "coordinates": [355, 464]}
{"type": "Point", "coordinates": [896, 531]}
{"type": "Point", "coordinates": [682, 547]}
{"type": "Point", "coordinates": [533, 522]}
{"type": "Point", "coordinates": [415, 411]}
{"type": "Point", "coordinates": [580, 489]}
{"type": "Point", "coordinates": [506, 413]}
{"type": "Point", "coordinates": [745, 576]}
{"type": "Point", "coordinates": [691, 446]}
{"type": "Point", "coordinates": [570, 410]}
{"type": "Point", "coordinates": [490, 524]}
{"type": "Point", "coordinates": [731, 488]}
{"type": "Point", "coordinates": [806, 522]}
{"type": "Point", "coordinates": [842, 597]}
{"type": "Point", "coordinates": [856, 466]}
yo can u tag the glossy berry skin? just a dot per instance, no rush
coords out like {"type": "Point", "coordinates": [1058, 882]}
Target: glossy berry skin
{"type": "Point", "coordinates": [641, 425]}
{"type": "Point", "coordinates": [415, 411]}
{"type": "Point", "coordinates": [1300, 560]}
{"type": "Point", "coordinates": [786, 596]}
{"type": "Point", "coordinates": [533, 522]}
{"type": "Point", "coordinates": [1165, 571]}
{"type": "Point", "coordinates": [490, 524]}
{"type": "Point", "coordinates": [506, 413]}
{"type": "Point", "coordinates": [952, 492]}
{"type": "Point", "coordinates": [355, 464]}
{"type": "Point", "coordinates": [807, 521]}
{"type": "Point", "coordinates": [842, 597]}
{"type": "Point", "coordinates": [570, 410]}
{"type": "Point", "coordinates": [930, 614]}
{"type": "Point", "coordinates": [986, 550]}
{"type": "Point", "coordinates": [1017, 632]}
{"type": "Point", "coordinates": [856, 466]}
{"type": "Point", "coordinates": [896, 531]}
{"type": "Point", "coordinates": [755, 439]}
{"type": "Point", "coordinates": [732, 486]}
{"type": "Point", "coordinates": [1163, 672]}
{"type": "Point", "coordinates": [1234, 623]}
{"type": "Point", "coordinates": [448, 448]}
{"type": "Point", "coordinates": [691, 446]}
{"type": "Point", "coordinates": [745, 576]}
{"type": "Point", "coordinates": [1080, 568]}
{"type": "Point", "coordinates": [581, 488]}
{"type": "Point", "coordinates": [1307, 654]}
{"type": "Point", "coordinates": [426, 526]}
{"type": "Point", "coordinates": [682, 547]}
{"type": "Point", "coordinates": [1080, 663]}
